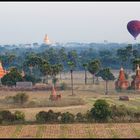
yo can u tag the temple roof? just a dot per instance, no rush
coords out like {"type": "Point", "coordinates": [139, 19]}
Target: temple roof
{"type": "Point", "coordinates": [121, 75]}
{"type": "Point", "coordinates": [2, 71]}
{"type": "Point", "coordinates": [137, 73]}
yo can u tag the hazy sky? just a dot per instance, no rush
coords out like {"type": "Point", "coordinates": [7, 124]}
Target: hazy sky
{"type": "Point", "coordinates": [24, 22]}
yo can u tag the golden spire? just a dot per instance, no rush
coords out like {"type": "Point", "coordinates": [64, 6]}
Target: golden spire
{"type": "Point", "coordinates": [46, 39]}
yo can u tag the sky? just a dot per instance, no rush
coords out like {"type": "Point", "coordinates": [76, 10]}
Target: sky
{"type": "Point", "coordinates": [84, 22]}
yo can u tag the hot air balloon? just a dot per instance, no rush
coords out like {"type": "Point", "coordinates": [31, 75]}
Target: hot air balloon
{"type": "Point", "coordinates": [134, 28]}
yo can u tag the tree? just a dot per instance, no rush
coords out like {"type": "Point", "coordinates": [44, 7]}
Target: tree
{"type": "Point", "coordinates": [63, 56]}
{"type": "Point", "coordinates": [125, 55]}
{"type": "Point", "coordinates": [49, 116]}
{"type": "Point", "coordinates": [94, 67]}
{"type": "Point", "coordinates": [8, 59]}
{"type": "Point", "coordinates": [32, 61]}
{"type": "Point", "coordinates": [54, 70]}
{"type": "Point", "coordinates": [45, 69]}
{"type": "Point", "coordinates": [136, 53]}
{"type": "Point", "coordinates": [85, 68]}
{"type": "Point", "coordinates": [19, 116]}
{"type": "Point", "coordinates": [101, 110]}
{"type": "Point", "coordinates": [21, 98]}
{"type": "Point", "coordinates": [71, 65]}
{"type": "Point", "coordinates": [6, 116]}
{"type": "Point", "coordinates": [67, 117]}
{"type": "Point", "coordinates": [73, 57]}
{"type": "Point", "coordinates": [121, 53]}
{"type": "Point", "coordinates": [60, 66]}
{"type": "Point", "coordinates": [129, 54]}
{"type": "Point", "coordinates": [30, 78]}
{"type": "Point", "coordinates": [11, 78]}
{"type": "Point", "coordinates": [106, 76]}
{"type": "Point", "coordinates": [135, 63]}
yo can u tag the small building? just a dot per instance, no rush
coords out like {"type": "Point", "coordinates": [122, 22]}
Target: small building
{"type": "Point", "coordinates": [24, 84]}
{"type": "Point", "coordinates": [121, 83]}
{"type": "Point", "coordinates": [135, 84]}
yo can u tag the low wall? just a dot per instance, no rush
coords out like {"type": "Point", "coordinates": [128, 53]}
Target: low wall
{"type": "Point", "coordinates": [34, 88]}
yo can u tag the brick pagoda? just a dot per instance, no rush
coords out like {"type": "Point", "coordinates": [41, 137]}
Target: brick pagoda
{"type": "Point", "coordinates": [2, 71]}
{"type": "Point", "coordinates": [135, 84]}
{"type": "Point", "coordinates": [121, 83]}
{"type": "Point", "coordinates": [54, 96]}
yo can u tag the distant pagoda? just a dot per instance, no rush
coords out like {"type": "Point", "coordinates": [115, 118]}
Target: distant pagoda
{"type": "Point", "coordinates": [46, 40]}
{"type": "Point", "coordinates": [135, 84]}
{"type": "Point", "coordinates": [2, 71]}
{"type": "Point", "coordinates": [121, 83]}
{"type": "Point", "coordinates": [53, 95]}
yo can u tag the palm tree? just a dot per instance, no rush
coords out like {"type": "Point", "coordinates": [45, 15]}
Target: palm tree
{"type": "Point", "coordinates": [71, 65]}
{"type": "Point", "coordinates": [45, 70]}
{"type": "Point", "coordinates": [85, 68]}
{"type": "Point", "coordinates": [32, 61]}
{"type": "Point", "coordinates": [106, 76]}
{"type": "Point", "coordinates": [94, 67]}
{"type": "Point", "coordinates": [31, 69]}
{"type": "Point", "coordinates": [60, 69]}
{"type": "Point", "coordinates": [54, 70]}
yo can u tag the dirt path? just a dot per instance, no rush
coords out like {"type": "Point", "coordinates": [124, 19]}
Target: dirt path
{"type": "Point", "coordinates": [31, 112]}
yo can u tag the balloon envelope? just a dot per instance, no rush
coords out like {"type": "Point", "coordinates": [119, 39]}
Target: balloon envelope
{"type": "Point", "coordinates": [134, 28]}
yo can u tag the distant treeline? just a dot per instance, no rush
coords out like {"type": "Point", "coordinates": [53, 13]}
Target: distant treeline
{"type": "Point", "coordinates": [111, 55]}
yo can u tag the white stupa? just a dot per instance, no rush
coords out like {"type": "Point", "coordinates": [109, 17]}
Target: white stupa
{"type": "Point", "coordinates": [46, 40]}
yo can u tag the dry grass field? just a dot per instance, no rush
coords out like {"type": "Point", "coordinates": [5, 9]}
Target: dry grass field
{"type": "Point", "coordinates": [107, 130]}
{"type": "Point", "coordinates": [88, 94]}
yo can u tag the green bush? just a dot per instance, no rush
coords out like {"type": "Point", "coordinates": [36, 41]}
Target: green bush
{"type": "Point", "coordinates": [121, 114]}
{"type": "Point", "coordinates": [49, 116]}
{"type": "Point", "coordinates": [89, 117]}
{"type": "Point", "coordinates": [80, 117]}
{"type": "Point", "coordinates": [119, 111]}
{"type": "Point", "coordinates": [11, 78]}
{"type": "Point", "coordinates": [9, 99]}
{"type": "Point", "coordinates": [63, 86]}
{"type": "Point", "coordinates": [32, 104]}
{"type": "Point", "coordinates": [6, 116]}
{"type": "Point", "coordinates": [101, 111]}
{"type": "Point", "coordinates": [20, 98]}
{"type": "Point", "coordinates": [52, 116]}
{"type": "Point", "coordinates": [41, 116]}
{"type": "Point", "coordinates": [136, 116]}
{"type": "Point", "coordinates": [19, 116]}
{"type": "Point", "coordinates": [67, 117]}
